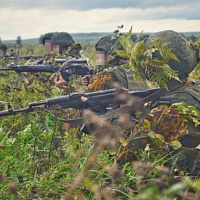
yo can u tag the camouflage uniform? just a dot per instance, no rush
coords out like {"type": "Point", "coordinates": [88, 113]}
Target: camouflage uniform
{"type": "Point", "coordinates": [123, 76]}
{"type": "Point", "coordinates": [169, 122]}
{"type": "Point", "coordinates": [112, 70]}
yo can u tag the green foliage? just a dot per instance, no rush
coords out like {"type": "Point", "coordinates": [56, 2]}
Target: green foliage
{"type": "Point", "coordinates": [140, 57]}
{"type": "Point", "coordinates": [195, 74]}
{"type": "Point", "coordinates": [189, 113]}
{"type": "Point", "coordinates": [176, 144]}
{"type": "Point", "coordinates": [29, 49]}
{"type": "Point", "coordinates": [44, 158]}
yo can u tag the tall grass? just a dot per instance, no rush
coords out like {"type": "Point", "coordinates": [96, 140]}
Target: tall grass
{"type": "Point", "coordinates": [44, 158]}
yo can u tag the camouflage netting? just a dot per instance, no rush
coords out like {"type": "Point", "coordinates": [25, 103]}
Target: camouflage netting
{"type": "Point", "coordinates": [181, 48]}
{"type": "Point", "coordinates": [63, 39]}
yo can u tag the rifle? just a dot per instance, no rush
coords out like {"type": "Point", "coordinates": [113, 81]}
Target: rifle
{"type": "Point", "coordinates": [73, 100]}
{"type": "Point", "coordinates": [72, 66]}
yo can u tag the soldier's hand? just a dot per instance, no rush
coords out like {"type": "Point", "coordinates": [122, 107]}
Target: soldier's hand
{"type": "Point", "coordinates": [93, 105]}
{"type": "Point", "coordinates": [60, 81]}
{"type": "Point", "coordinates": [83, 99]}
{"type": "Point", "coordinates": [86, 79]}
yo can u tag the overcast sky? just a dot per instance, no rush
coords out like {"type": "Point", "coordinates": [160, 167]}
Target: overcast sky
{"type": "Point", "coordinates": [32, 18]}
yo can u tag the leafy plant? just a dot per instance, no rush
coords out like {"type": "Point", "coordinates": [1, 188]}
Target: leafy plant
{"type": "Point", "coordinates": [189, 113]}
{"type": "Point", "coordinates": [140, 57]}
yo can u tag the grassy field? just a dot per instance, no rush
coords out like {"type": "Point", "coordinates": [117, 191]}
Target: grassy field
{"type": "Point", "coordinates": [43, 158]}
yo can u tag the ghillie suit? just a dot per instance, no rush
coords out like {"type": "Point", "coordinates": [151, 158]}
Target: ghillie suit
{"type": "Point", "coordinates": [171, 121]}
{"type": "Point", "coordinates": [112, 71]}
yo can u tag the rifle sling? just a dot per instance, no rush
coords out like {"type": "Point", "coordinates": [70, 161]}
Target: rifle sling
{"type": "Point", "coordinates": [153, 97]}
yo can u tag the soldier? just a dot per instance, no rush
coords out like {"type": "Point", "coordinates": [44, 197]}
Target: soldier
{"type": "Point", "coordinates": [109, 69]}
{"type": "Point", "coordinates": [74, 50]}
{"type": "Point", "coordinates": [167, 120]}
{"type": "Point", "coordinates": [55, 44]}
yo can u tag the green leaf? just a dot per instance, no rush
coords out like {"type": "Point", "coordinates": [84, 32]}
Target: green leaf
{"type": "Point", "coordinates": [151, 135]}
{"type": "Point", "coordinates": [176, 144]}
{"type": "Point", "coordinates": [178, 104]}
{"type": "Point", "coordinates": [146, 123]}
{"type": "Point", "coordinates": [184, 120]}
{"type": "Point", "coordinates": [159, 139]}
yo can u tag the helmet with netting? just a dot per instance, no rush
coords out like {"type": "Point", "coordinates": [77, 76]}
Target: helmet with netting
{"type": "Point", "coordinates": [181, 48]}
{"type": "Point", "coordinates": [63, 39]}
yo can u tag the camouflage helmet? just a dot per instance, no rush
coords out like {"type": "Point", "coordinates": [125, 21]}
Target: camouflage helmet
{"type": "Point", "coordinates": [46, 36]}
{"type": "Point", "coordinates": [181, 48]}
{"type": "Point", "coordinates": [106, 43]}
{"type": "Point", "coordinates": [63, 39]}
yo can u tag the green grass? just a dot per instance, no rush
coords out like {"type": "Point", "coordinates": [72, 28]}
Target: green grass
{"type": "Point", "coordinates": [44, 158]}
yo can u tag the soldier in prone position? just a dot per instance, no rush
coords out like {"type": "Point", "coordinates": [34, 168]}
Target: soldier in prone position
{"type": "Point", "coordinates": [166, 119]}
{"type": "Point", "coordinates": [108, 71]}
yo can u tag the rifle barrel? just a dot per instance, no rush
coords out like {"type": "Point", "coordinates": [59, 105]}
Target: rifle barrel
{"type": "Point", "coordinates": [13, 112]}
{"type": "Point", "coordinates": [32, 68]}
{"type": "Point", "coordinates": [6, 69]}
